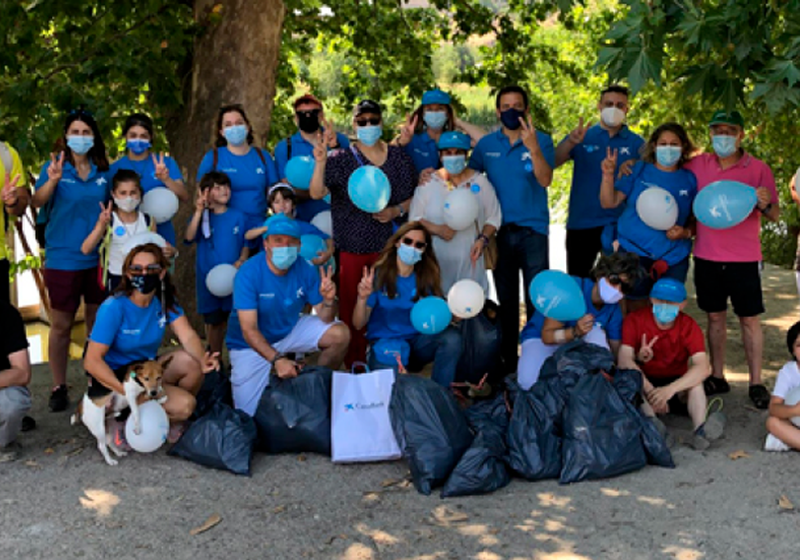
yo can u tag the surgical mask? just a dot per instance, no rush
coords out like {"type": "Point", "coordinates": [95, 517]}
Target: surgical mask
{"type": "Point", "coordinates": [454, 164]}
{"type": "Point", "coordinates": [236, 134]}
{"type": "Point", "coordinates": [665, 313]}
{"type": "Point", "coordinates": [138, 145]}
{"type": "Point", "coordinates": [80, 144]}
{"type": "Point", "coordinates": [308, 121]}
{"type": "Point", "coordinates": [369, 135]}
{"type": "Point", "coordinates": [283, 257]}
{"type": "Point", "coordinates": [435, 119]}
{"type": "Point", "coordinates": [510, 118]}
{"type": "Point", "coordinates": [612, 116]}
{"type": "Point", "coordinates": [147, 283]}
{"type": "Point", "coordinates": [724, 145]}
{"type": "Point", "coordinates": [668, 155]}
{"type": "Point", "coordinates": [608, 293]}
{"type": "Point", "coordinates": [127, 204]}
{"type": "Point", "coordinates": [409, 255]}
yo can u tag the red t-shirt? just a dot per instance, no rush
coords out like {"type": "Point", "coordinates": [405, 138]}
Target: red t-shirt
{"type": "Point", "coordinates": [674, 346]}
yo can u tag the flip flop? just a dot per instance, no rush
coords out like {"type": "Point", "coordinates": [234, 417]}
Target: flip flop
{"type": "Point", "coordinates": [760, 396]}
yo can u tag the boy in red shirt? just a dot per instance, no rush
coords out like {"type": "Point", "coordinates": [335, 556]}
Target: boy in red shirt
{"type": "Point", "coordinates": [667, 346]}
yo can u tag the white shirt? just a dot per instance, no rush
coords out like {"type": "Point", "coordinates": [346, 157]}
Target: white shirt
{"type": "Point", "coordinates": [120, 233]}
{"type": "Point", "coordinates": [453, 255]}
{"type": "Point", "coordinates": [788, 379]}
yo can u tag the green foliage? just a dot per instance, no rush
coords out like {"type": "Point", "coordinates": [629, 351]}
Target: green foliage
{"type": "Point", "coordinates": [29, 262]}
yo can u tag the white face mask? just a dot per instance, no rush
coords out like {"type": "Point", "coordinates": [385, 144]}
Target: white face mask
{"type": "Point", "coordinates": [127, 204]}
{"type": "Point", "coordinates": [608, 293]}
{"type": "Point", "coordinates": [612, 116]}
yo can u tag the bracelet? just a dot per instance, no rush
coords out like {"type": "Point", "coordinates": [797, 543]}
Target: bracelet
{"type": "Point", "coordinates": [278, 356]}
{"type": "Point", "coordinates": [485, 239]}
{"type": "Point", "coordinates": [766, 208]}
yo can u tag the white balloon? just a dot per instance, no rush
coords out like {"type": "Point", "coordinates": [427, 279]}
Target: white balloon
{"type": "Point", "coordinates": [657, 208]}
{"type": "Point", "coordinates": [461, 209]}
{"type": "Point", "coordinates": [155, 427]}
{"type": "Point", "coordinates": [143, 239]}
{"type": "Point", "coordinates": [792, 398]}
{"type": "Point", "coordinates": [219, 280]}
{"type": "Point", "coordinates": [323, 222]}
{"type": "Point", "coordinates": [161, 204]}
{"type": "Point", "coordinates": [466, 298]}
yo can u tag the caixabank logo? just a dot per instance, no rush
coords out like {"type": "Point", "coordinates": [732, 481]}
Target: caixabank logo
{"type": "Point", "coordinates": [352, 407]}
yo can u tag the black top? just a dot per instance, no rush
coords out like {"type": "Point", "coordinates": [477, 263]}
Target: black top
{"type": "Point", "coordinates": [12, 334]}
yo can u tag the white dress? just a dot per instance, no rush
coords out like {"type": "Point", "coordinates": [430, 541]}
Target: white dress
{"type": "Point", "coordinates": [453, 255]}
{"type": "Point", "coordinates": [120, 233]}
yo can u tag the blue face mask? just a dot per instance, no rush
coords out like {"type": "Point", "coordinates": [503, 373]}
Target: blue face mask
{"type": "Point", "coordinates": [236, 134]}
{"type": "Point", "coordinates": [723, 144]}
{"type": "Point", "coordinates": [138, 145]}
{"type": "Point", "coordinates": [435, 119]}
{"type": "Point", "coordinates": [284, 257]}
{"type": "Point", "coordinates": [665, 313]}
{"type": "Point", "coordinates": [369, 135]}
{"type": "Point", "coordinates": [510, 118]}
{"type": "Point", "coordinates": [80, 144]}
{"type": "Point", "coordinates": [454, 164]}
{"type": "Point", "coordinates": [668, 155]}
{"type": "Point", "coordinates": [409, 255]}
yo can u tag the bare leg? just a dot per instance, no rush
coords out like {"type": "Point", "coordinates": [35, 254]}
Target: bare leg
{"type": "Point", "coordinates": [59, 339]}
{"type": "Point", "coordinates": [183, 371]}
{"type": "Point", "coordinates": [785, 431]}
{"type": "Point", "coordinates": [697, 404]}
{"type": "Point", "coordinates": [717, 336]}
{"type": "Point", "coordinates": [179, 405]}
{"type": "Point", "coordinates": [89, 314]}
{"type": "Point", "coordinates": [334, 345]}
{"type": "Point", "coordinates": [753, 341]}
{"type": "Point", "coordinates": [215, 336]}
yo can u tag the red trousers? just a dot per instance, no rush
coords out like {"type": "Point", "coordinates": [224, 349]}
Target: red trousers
{"type": "Point", "coordinates": [351, 269]}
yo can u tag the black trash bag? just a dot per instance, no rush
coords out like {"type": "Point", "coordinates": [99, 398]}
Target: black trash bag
{"type": "Point", "coordinates": [493, 412]}
{"type": "Point", "coordinates": [628, 383]}
{"type": "Point", "coordinates": [294, 415]}
{"type": "Point", "coordinates": [573, 360]}
{"type": "Point", "coordinates": [431, 430]}
{"type": "Point", "coordinates": [223, 438]}
{"type": "Point", "coordinates": [482, 468]}
{"type": "Point", "coordinates": [216, 388]}
{"type": "Point", "coordinates": [481, 345]}
{"type": "Point", "coordinates": [602, 433]}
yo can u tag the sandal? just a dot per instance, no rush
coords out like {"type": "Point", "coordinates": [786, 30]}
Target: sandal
{"type": "Point", "coordinates": [760, 396]}
{"type": "Point", "coordinates": [716, 385]}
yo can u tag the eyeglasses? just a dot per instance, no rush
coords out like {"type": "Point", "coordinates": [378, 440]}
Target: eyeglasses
{"type": "Point", "coordinates": [310, 113]}
{"type": "Point", "coordinates": [615, 280]}
{"type": "Point", "coordinates": [139, 270]}
{"type": "Point", "coordinates": [374, 121]}
{"type": "Point", "coordinates": [417, 244]}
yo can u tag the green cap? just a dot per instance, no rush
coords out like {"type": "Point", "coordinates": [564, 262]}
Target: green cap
{"type": "Point", "coordinates": [723, 117]}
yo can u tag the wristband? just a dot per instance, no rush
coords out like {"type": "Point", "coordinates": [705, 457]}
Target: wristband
{"type": "Point", "coordinates": [278, 356]}
{"type": "Point", "coordinates": [484, 238]}
{"type": "Point", "coordinates": [766, 208]}
{"type": "Point", "coordinates": [560, 336]}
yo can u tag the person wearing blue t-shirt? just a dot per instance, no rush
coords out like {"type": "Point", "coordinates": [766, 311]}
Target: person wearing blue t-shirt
{"type": "Point", "coordinates": [251, 169]}
{"type": "Point", "coordinates": [309, 116]}
{"type": "Point", "coordinates": [269, 294]}
{"type": "Point", "coordinates": [407, 270]}
{"type": "Point", "coordinates": [130, 327]}
{"type": "Point", "coordinates": [71, 190]}
{"type": "Point", "coordinates": [612, 277]}
{"type": "Point", "coordinates": [586, 146]}
{"type": "Point", "coordinates": [662, 254]}
{"type": "Point", "coordinates": [519, 161]}
{"type": "Point", "coordinates": [219, 234]}
{"type": "Point", "coordinates": [153, 170]}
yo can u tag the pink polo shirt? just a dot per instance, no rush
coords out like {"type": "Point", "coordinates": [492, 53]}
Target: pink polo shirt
{"type": "Point", "coordinates": [740, 243]}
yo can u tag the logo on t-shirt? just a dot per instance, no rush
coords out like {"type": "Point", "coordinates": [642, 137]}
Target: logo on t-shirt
{"type": "Point", "coordinates": [132, 332]}
{"type": "Point", "coordinates": [625, 151]}
{"type": "Point", "coordinates": [229, 170]}
{"type": "Point", "coordinates": [259, 171]}
{"type": "Point", "coordinates": [684, 192]}
{"type": "Point", "coordinates": [235, 230]}
{"type": "Point", "coordinates": [101, 181]}
{"type": "Point", "coordinates": [300, 293]}
{"type": "Point", "coordinates": [526, 156]}
{"type": "Point", "coordinates": [266, 296]}
{"type": "Point", "coordinates": [492, 154]}
{"type": "Point", "coordinates": [162, 321]}
{"type": "Point", "coordinates": [591, 149]}
{"type": "Point", "coordinates": [420, 152]}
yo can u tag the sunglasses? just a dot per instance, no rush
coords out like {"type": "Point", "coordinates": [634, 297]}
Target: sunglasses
{"type": "Point", "coordinates": [311, 113]}
{"type": "Point", "coordinates": [139, 270]}
{"type": "Point", "coordinates": [615, 280]}
{"type": "Point", "coordinates": [417, 244]}
{"type": "Point", "coordinates": [374, 121]}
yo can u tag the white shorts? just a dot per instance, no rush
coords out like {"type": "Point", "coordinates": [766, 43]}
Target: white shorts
{"type": "Point", "coordinates": [250, 371]}
{"type": "Point", "coordinates": [534, 352]}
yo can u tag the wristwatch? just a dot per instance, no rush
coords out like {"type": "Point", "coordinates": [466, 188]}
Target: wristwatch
{"type": "Point", "coordinates": [278, 356]}
{"type": "Point", "coordinates": [766, 208]}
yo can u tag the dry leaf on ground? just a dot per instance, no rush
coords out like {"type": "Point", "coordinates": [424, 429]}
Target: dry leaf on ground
{"type": "Point", "coordinates": [210, 522]}
{"type": "Point", "coordinates": [785, 503]}
{"type": "Point", "coordinates": [739, 454]}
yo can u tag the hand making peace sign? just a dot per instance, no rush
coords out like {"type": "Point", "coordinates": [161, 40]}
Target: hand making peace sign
{"type": "Point", "coordinates": [162, 173]}
{"type": "Point", "coordinates": [366, 283]}
{"type": "Point", "coordinates": [645, 353]}
{"type": "Point", "coordinates": [327, 288]}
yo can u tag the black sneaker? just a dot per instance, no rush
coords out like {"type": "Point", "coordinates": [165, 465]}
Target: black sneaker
{"type": "Point", "coordinates": [59, 399]}
{"type": "Point", "coordinates": [28, 424]}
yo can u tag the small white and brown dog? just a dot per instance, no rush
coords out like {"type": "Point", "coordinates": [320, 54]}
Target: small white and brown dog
{"type": "Point", "coordinates": [142, 382]}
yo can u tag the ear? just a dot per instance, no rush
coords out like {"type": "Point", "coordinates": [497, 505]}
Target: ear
{"type": "Point", "coordinates": [165, 363]}
{"type": "Point", "coordinates": [137, 369]}
{"type": "Point", "coordinates": [682, 305]}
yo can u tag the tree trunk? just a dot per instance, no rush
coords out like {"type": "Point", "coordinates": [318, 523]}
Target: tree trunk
{"type": "Point", "coordinates": [235, 60]}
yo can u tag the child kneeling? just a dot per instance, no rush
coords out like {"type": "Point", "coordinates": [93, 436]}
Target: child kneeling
{"type": "Point", "coordinates": [783, 408]}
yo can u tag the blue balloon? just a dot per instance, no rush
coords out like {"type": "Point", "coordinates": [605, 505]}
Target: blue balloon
{"type": "Point", "coordinates": [299, 171]}
{"type": "Point", "coordinates": [369, 189]}
{"type": "Point", "coordinates": [558, 296]}
{"type": "Point", "coordinates": [431, 315]}
{"type": "Point", "coordinates": [310, 245]}
{"type": "Point", "coordinates": [724, 204]}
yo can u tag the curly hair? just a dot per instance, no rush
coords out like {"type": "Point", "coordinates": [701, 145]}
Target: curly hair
{"type": "Point", "coordinates": [621, 263]}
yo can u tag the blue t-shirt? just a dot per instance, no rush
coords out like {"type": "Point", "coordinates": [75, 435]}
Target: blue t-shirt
{"type": "Point", "coordinates": [391, 318]}
{"type": "Point", "coordinates": [423, 151]}
{"type": "Point", "coordinates": [300, 147]}
{"type": "Point", "coordinates": [250, 178]}
{"type": "Point", "coordinates": [311, 229]}
{"type": "Point", "coordinates": [132, 333]}
{"type": "Point", "coordinates": [223, 247]}
{"type": "Point", "coordinates": [509, 168]}
{"type": "Point", "coordinates": [637, 237]}
{"type": "Point", "coordinates": [279, 300]}
{"type": "Point", "coordinates": [73, 210]}
{"type": "Point", "coordinates": [584, 197]}
{"type": "Point", "coordinates": [147, 173]}
{"type": "Point", "coordinates": [608, 317]}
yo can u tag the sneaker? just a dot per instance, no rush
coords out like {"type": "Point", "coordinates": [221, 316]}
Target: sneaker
{"type": "Point", "coordinates": [10, 452]}
{"type": "Point", "coordinates": [28, 424]}
{"type": "Point", "coordinates": [774, 444]}
{"type": "Point", "coordinates": [710, 430]}
{"type": "Point", "coordinates": [119, 438]}
{"type": "Point", "coordinates": [716, 386]}
{"type": "Point", "coordinates": [760, 396]}
{"type": "Point", "coordinates": [59, 399]}
{"type": "Point", "coordinates": [669, 438]}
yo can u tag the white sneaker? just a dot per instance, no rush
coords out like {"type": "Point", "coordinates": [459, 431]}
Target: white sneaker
{"type": "Point", "coordinates": [774, 444]}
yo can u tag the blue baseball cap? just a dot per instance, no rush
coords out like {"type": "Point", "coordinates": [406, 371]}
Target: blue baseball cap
{"type": "Point", "coordinates": [281, 224]}
{"type": "Point", "coordinates": [435, 96]}
{"type": "Point", "coordinates": [454, 139]}
{"type": "Point", "coordinates": [669, 289]}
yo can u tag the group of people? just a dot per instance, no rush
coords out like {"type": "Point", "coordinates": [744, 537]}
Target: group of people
{"type": "Point", "coordinates": [352, 300]}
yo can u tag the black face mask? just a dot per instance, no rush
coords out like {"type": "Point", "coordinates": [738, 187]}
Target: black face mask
{"type": "Point", "coordinates": [308, 121]}
{"type": "Point", "coordinates": [146, 284]}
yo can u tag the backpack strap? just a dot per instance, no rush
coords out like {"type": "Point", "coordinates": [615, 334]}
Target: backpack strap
{"type": "Point", "coordinates": [216, 159]}
{"type": "Point", "coordinates": [260, 153]}
{"type": "Point", "coordinates": [358, 157]}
